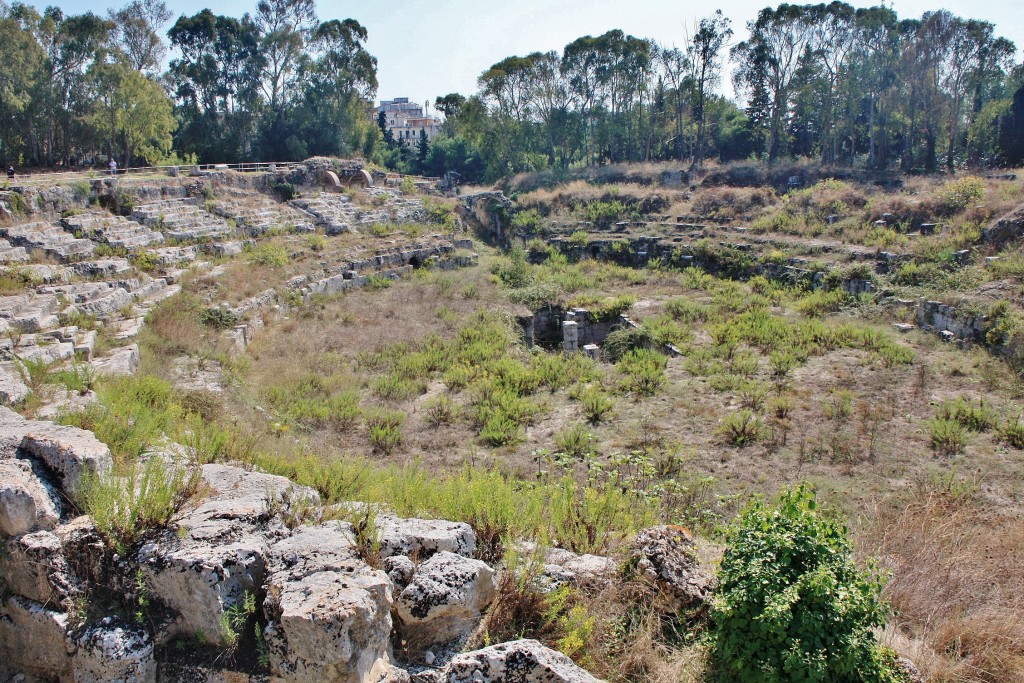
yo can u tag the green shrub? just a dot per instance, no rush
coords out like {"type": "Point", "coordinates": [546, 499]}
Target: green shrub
{"type": "Point", "coordinates": [1012, 433]}
{"type": "Point", "coordinates": [644, 372]}
{"type": "Point", "coordinates": [528, 221]}
{"type": "Point", "coordinates": [596, 404]}
{"type": "Point", "coordinates": [820, 303]}
{"type": "Point", "coordinates": [792, 605]}
{"type": "Point", "coordinates": [218, 318]}
{"type": "Point", "coordinates": [376, 282]}
{"type": "Point", "coordinates": [441, 410]}
{"type": "Point", "coordinates": [269, 255]}
{"type": "Point", "coordinates": [315, 242]}
{"type": "Point", "coordinates": [977, 416]}
{"type": "Point", "coordinates": [948, 437]}
{"type": "Point", "coordinates": [144, 499]}
{"type": "Point", "coordinates": [576, 442]}
{"type": "Point", "coordinates": [741, 428]}
{"type": "Point", "coordinates": [579, 238]}
{"type": "Point", "coordinates": [500, 430]}
{"type": "Point", "coordinates": [620, 342]}
{"type": "Point", "coordinates": [959, 194]}
{"type": "Point", "coordinates": [385, 427]}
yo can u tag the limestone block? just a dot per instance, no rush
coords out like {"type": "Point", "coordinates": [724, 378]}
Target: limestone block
{"type": "Point", "coordinates": [34, 567]}
{"type": "Point", "coordinates": [114, 653]}
{"type": "Point", "coordinates": [422, 538]}
{"type": "Point", "coordinates": [27, 503]}
{"type": "Point", "coordinates": [400, 570]}
{"type": "Point", "coordinates": [69, 452]}
{"type": "Point", "coordinates": [12, 388]}
{"type": "Point", "coordinates": [311, 549]}
{"type": "Point", "coordinates": [33, 639]}
{"type": "Point", "coordinates": [523, 661]}
{"type": "Point", "coordinates": [445, 598]}
{"type": "Point", "coordinates": [121, 362]}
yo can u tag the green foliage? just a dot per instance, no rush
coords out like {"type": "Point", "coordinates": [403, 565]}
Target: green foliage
{"type": "Point", "coordinates": [528, 221]}
{"type": "Point", "coordinates": [620, 342]}
{"type": "Point", "coordinates": [975, 415]}
{"type": "Point", "coordinates": [791, 603]}
{"type": "Point", "coordinates": [218, 318]}
{"type": "Point", "coordinates": [1012, 433]}
{"type": "Point", "coordinates": [269, 255]}
{"type": "Point", "coordinates": [596, 404]}
{"type": "Point", "coordinates": [575, 442]}
{"type": "Point", "coordinates": [603, 213]}
{"type": "Point", "coordinates": [957, 195]}
{"type": "Point", "coordinates": [385, 428]}
{"type": "Point", "coordinates": [948, 437]}
{"type": "Point", "coordinates": [580, 238]}
{"type": "Point", "coordinates": [741, 428]}
{"type": "Point", "coordinates": [142, 498]}
{"type": "Point", "coordinates": [315, 243]}
{"type": "Point", "coordinates": [822, 302]}
{"type": "Point", "coordinates": [377, 282]}
{"type": "Point", "coordinates": [643, 370]}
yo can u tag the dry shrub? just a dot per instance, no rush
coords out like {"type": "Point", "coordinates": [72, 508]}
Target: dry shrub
{"type": "Point", "coordinates": [731, 202]}
{"type": "Point", "coordinates": [907, 210]}
{"type": "Point", "coordinates": [576, 193]}
{"type": "Point", "coordinates": [957, 587]}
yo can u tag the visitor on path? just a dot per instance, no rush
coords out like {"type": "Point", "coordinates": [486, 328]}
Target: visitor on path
{"type": "Point", "coordinates": [113, 167]}
{"type": "Point", "coordinates": [10, 173]}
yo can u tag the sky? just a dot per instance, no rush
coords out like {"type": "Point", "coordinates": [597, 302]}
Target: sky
{"type": "Point", "coordinates": [429, 48]}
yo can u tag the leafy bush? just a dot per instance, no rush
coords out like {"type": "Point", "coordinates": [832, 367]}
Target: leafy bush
{"type": "Point", "coordinates": [792, 605]}
{"type": "Point", "coordinates": [977, 416]}
{"type": "Point", "coordinates": [575, 442]}
{"type": "Point", "coordinates": [620, 342]}
{"type": "Point", "coordinates": [441, 410]}
{"type": "Point", "coordinates": [957, 195]}
{"type": "Point", "coordinates": [1012, 433]}
{"type": "Point", "coordinates": [218, 318]}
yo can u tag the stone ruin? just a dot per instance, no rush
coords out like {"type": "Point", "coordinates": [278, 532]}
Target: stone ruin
{"type": "Point", "coordinates": [325, 615]}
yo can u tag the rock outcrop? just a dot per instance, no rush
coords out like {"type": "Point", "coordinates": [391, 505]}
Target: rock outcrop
{"type": "Point", "coordinates": [667, 556]}
{"type": "Point", "coordinates": [522, 661]}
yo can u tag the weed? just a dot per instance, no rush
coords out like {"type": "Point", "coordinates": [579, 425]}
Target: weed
{"type": "Point", "coordinates": [597, 405]}
{"type": "Point", "coordinates": [741, 428]}
{"type": "Point", "coordinates": [948, 437]}
{"type": "Point", "coordinates": [385, 428]}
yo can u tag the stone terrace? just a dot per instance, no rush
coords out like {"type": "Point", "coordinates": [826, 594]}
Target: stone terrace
{"type": "Point", "coordinates": [257, 215]}
{"type": "Point", "coordinates": [49, 238]}
{"type": "Point", "coordinates": [337, 213]}
{"type": "Point", "coordinates": [9, 254]}
{"type": "Point", "coordinates": [115, 231]}
{"type": "Point", "coordinates": [182, 220]}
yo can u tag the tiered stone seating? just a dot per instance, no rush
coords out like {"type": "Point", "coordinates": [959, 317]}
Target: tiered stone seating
{"type": "Point", "coordinates": [100, 299]}
{"type": "Point", "coordinates": [182, 220]}
{"type": "Point", "coordinates": [50, 238]}
{"type": "Point", "coordinates": [30, 312]}
{"type": "Point", "coordinates": [9, 254]}
{"type": "Point", "coordinates": [256, 217]}
{"type": "Point", "coordinates": [337, 214]}
{"type": "Point", "coordinates": [116, 231]}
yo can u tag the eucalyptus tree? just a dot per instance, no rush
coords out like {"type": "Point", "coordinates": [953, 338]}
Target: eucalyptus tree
{"type": "Point", "coordinates": [139, 24]}
{"type": "Point", "coordinates": [710, 36]}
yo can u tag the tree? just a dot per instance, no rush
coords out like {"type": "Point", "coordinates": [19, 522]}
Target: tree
{"type": "Point", "coordinates": [1011, 132]}
{"type": "Point", "coordinates": [138, 26]}
{"type": "Point", "coordinates": [284, 27]}
{"type": "Point", "coordinates": [711, 35]}
{"type": "Point", "coordinates": [422, 149]}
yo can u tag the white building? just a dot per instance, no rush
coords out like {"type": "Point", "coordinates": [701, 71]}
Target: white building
{"type": "Point", "coordinates": [406, 120]}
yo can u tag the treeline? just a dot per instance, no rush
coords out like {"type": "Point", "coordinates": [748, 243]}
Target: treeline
{"type": "Point", "coordinates": [828, 82]}
{"type": "Point", "coordinates": [274, 85]}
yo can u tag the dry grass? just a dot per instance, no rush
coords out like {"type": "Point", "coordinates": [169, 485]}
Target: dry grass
{"type": "Point", "coordinates": [956, 584]}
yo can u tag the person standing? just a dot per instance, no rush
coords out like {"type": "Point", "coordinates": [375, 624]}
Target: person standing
{"type": "Point", "coordinates": [113, 167]}
{"type": "Point", "coordinates": [10, 172]}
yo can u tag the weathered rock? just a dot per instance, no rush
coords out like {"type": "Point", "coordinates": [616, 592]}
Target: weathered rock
{"type": "Point", "coordinates": [400, 570]}
{"type": "Point", "coordinates": [562, 566]}
{"type": "Point", "coordinates": [34, 567]}
{"type": "Point", "coordinates": [26, 502]}
{"type": "Point", "coordinates": [69, 452]}
{"type": "Point", "coordinates": [667, 555]}
{"type": "Point", "coordinates": [114, 653]}
{"type": "Point", "coordinates": [120, 362]}
{"type": "Point", "coordinates": [12, 388]}
{"type": "Point", "coordinates": [328, 613]}
{"type": "Point", "coordinates": [445, 598]}
{"type": "Point", "coordinates": [421, 538]}
{"type": "Point", "coordinates": [33, 639]}
{"type": "Point", "coordinates": [522, 661]}
{"type": "Point", "coordinates": [13, 428]}
{"type": "Point", "coordinates": [218, 552]}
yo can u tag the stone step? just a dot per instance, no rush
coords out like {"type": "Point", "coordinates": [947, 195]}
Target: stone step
{"type": "Point", "coordinates": [49, 238]}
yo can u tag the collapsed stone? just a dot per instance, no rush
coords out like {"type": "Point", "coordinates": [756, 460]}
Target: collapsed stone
{"type": "Point", "coordinates": [523, 661]}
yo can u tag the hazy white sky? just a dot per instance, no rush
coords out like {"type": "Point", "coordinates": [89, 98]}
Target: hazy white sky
{"type": "Point", "coordinates": [430, 48]}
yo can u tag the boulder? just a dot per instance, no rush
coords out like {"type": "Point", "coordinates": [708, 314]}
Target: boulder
{"type": "Point", "coordinates": [522, 661]}
{"type": "Point", "coordinates": [667, 556]}
{"type": "Point", "coordinates": [120, 362]}
{"type": "Point", "coordinates": [114, 652]}
{"type": "Point", "coordinates": [251, 497]}
{"type": "Point", "coordinates": [421, 538]}
{"type": "Point", "coordinates": [328, 613]}
{"type": "Point", "coordinates": [331, 626]}
{"type": "Point", "coordinates": [444, 599]}
{"type": "Point", "coordinates": [562, 567]}
{"type": "Point", "coordinates": [13, 428]}
{"type": "Point", "coordinates": [33, 639]}
{"type": "Point", "coordinates": [34, 567]}
{"type": "Point", "coordinates": [69, 452]}
{"type": "Point", "coordinates": [27, 503]}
